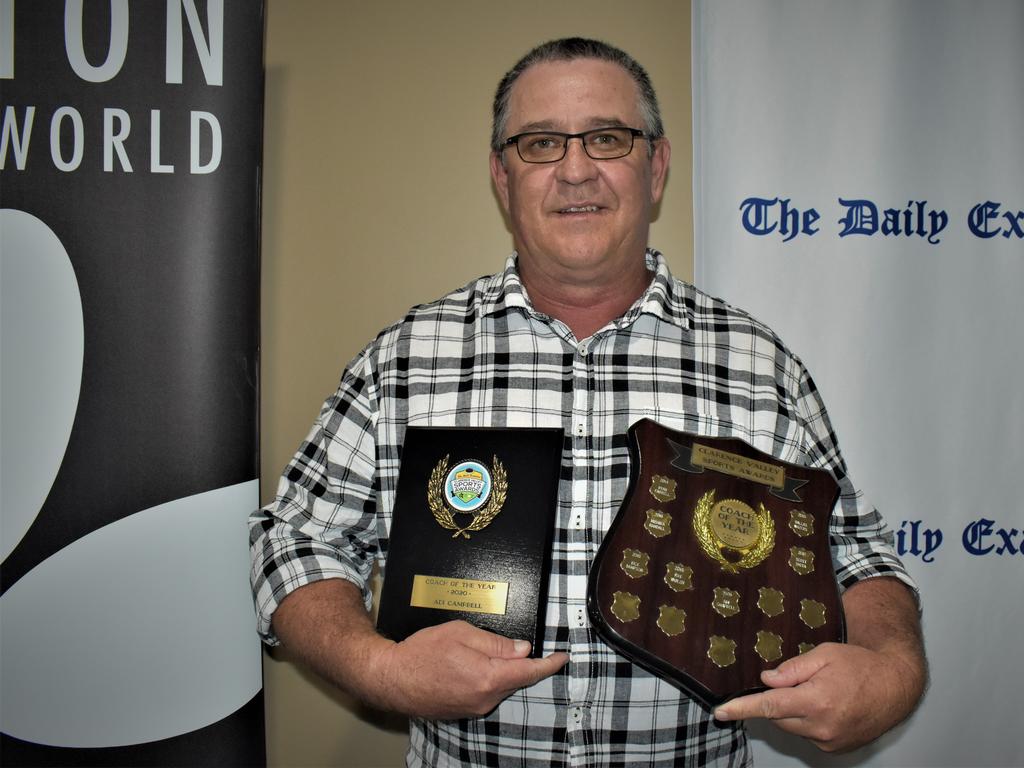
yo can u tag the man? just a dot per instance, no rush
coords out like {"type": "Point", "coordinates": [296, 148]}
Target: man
{"type": "Point", "coordinates": [585, 329]}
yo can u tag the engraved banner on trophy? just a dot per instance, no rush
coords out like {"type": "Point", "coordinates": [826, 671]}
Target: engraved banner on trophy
{"type": "Point", "coordinates": [718, 565]}
{"type": "Point", "coordinates": [471, 530]}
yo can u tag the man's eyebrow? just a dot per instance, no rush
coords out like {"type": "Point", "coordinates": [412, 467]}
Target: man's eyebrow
{"type": "Point", "coordinates": [590, 123]}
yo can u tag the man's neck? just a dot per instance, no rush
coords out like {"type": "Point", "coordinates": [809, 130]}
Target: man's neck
{"type": "Point", "coordinates": [588, 307]}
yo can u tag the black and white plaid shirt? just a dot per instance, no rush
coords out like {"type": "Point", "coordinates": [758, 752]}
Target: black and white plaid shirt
{"type": "Point", "coordinates": [482, 357]}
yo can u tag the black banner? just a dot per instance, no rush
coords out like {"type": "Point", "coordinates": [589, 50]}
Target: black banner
{"type": "Point", "coordinates": [129, 181]}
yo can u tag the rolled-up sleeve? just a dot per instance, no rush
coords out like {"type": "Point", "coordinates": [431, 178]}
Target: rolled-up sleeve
{"type": "Point", "coordinates": [323, 522]}
{"type": "Point", "coordinates": [862, 543]}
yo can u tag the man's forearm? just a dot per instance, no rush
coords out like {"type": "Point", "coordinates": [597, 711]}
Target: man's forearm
{"type": "Point", "coordinates": [327, 626]}
{"type": "Point", "coordinates": [447, 671]}
{"type": "Point", "coordinates": [882, 615]}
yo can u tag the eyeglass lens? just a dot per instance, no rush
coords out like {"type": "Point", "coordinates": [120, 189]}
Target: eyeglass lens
{"type": "Point", "coordinates": [602, 144]}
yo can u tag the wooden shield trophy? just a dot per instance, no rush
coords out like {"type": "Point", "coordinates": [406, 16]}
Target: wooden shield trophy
{"type": "Point", "coordinates": [718, 564]}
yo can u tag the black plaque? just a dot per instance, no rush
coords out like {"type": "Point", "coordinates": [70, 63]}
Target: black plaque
{"type": "Point", "coordinates": [471, 531]}
{"type": "Point", "coordinates": [717, 566]}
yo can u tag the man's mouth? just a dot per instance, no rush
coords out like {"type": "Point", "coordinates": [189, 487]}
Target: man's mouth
{"type": "Point", "coordinates": [579, 209]}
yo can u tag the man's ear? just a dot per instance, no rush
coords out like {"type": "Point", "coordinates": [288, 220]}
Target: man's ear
{"type": "Point", "coordinates": [659, 168]}
{"type": "Point", "coordinates": [499, 174]}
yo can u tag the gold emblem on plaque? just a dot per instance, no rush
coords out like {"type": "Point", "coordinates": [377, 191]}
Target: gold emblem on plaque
{"type": "Point", "coordinates": [671, 620]}
{"type": "Point", "coordinates": [679, 577]}
{"type": "Point", "coordinates": [770, 601]}
{"type": "Point", "coordinates": [732, 533]}
{"type": "Point", "coordinates": [663, 488]}
{"type": "Point", "coordinates": [801, 523]}
{"type": "Point", "coordinates": [768, 646]}
{"type": "Point", "coordinates": [804, 648]}
{"type": "Point", "coordinates": [625, 606]}
{"type": "Point", "coordinates": [722, 651]}
{"type": "Point", "coordinates": [658, 523]}
{"type": "Point", "coordinates": [634, 563]}
{"type": "Point", "coordinates": [812, 613]}
{"type": "Point", "coordinates": [801, 560]}
{"type": "Point", "coordinates": [726, 602]}
{"type": "Point", "coordinates": [469, 488]}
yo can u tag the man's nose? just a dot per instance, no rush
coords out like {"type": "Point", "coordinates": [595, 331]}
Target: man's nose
{"type": "Point", "coordinates": [577, 166]}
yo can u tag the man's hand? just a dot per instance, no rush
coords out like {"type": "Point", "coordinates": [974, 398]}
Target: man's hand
{"type": "Point", "coordinates": [449, 671]}
{"type": "Point", "coordinates": [841, 697]}
{"type": "Point", "coordinates": [457, 670]}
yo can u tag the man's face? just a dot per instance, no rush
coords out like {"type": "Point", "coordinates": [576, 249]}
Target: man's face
{"type": "Point", "coordinates": [578, 220]}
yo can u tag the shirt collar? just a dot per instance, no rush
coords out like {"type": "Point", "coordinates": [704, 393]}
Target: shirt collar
{"type": "Point", "coordinates": [664, 297]}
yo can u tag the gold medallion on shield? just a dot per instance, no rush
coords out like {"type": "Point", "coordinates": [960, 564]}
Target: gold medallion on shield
{"type": "Point", "coordinates": [732, 533]}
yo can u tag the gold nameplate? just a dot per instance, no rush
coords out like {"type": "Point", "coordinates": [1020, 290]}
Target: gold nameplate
{"type": "Point", "coordinates": [738, 466]}
{"type": "Point", "coordinates": [770, 601]}
{"type": "Point", "coordinates": [634, 563]}
{"type": "Point", "coordinates": [671, 620]}
{"type": "Point", "coordinates": [731, 533]}
{"type": "Point", "coordinates": [459, 594]}
{"type": "Point", "coordinates": [663, 488]}
{"type": "Point", "coordinates": [658, 523]}
{"type": "Point", "coordinates": [626, 606]}
{"type": "Point", "coordinates": [679, 577]}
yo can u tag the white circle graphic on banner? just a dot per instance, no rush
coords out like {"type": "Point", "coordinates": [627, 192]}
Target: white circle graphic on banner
{"type": "Point", "coordinates": [142, 630]}
{"type": "Point", "coordinates": [41, 349]}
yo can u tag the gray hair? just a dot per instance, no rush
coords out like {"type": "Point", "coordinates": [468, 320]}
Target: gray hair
{"type": "Point", "coordinates": [568, 49]}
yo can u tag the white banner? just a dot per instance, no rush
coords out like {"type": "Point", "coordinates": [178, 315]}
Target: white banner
{"type": "Point", "coordinates": [859, 186]}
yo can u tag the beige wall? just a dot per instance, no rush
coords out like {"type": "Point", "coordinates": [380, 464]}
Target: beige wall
{"type": "Point", "coordinates": [376, 196]}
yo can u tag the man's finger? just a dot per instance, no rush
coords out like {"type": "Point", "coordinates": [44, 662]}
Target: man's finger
{"type": "Point", "coordinates": [522, 673]}
{"type": "Point", "coordinates": [771, 705]}
{"type": "Point", "coordinates": [796, 670]}
{"type": "Point", "coordinates": [489, 644]}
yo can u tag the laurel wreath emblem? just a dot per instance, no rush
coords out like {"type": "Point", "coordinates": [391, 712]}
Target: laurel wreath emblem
{"type": "Point", "coordinates": [749, 556]}
{"type": "Point", "coordinates": [486, 513]}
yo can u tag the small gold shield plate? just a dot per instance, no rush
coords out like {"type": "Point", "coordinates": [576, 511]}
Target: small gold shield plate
{"type": "Point", "coordinates": [625, 606]}
{"type": "Point", "coordinates": [658, 523]}
{"type": "Point", "coordinates": [726, 602]}
{"type": "Point", "coordinates": [768, 645]}
{"type": "Point", "coordinates": [812, 613]}
{"type": "Point", "coordinates": [800, 522]}
{"type": "Point", "coordinates": [722, 651]}
{"type": "Point", "coordinates": [671, 620]}
{"type": "Point", "coordinates": [679, 577]}
{"type": "Point", "coordinates": [770, 601]}
{"type": "Point", "coordinates": [634, 563]}
{"type": "Point", "coordinates": [663, 488]}
{"type": "Point", "coordinates": [801, 560]}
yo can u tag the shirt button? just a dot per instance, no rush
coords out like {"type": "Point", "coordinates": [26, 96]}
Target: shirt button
{"type": "Point", "coordinates": [581, 430]}
{"type": "Point", "coordinates": [582, 349]}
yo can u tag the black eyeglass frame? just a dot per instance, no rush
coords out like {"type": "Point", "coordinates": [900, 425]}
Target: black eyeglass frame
{"type": "Point", "coordinates": [634, 133]}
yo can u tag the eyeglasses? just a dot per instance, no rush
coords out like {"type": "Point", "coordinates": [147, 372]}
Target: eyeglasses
{"type": "Point", "coordinates": [551, 146]}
